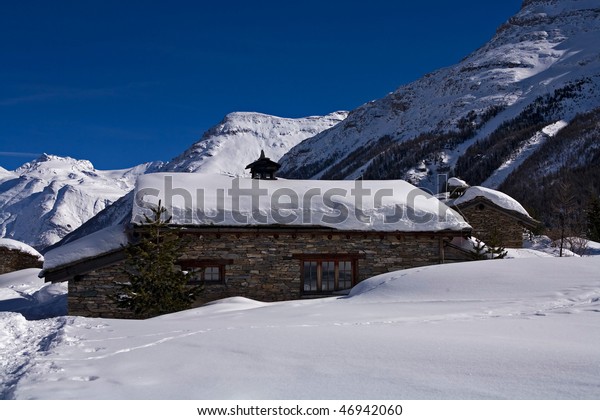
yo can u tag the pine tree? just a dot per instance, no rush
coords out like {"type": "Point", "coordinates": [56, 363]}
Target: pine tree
{"type": "Point", "coordinates": [156, 285]}
{"type": "Point", "coordinates": [478, 252]}
{"type": "Point", "coordinates": [497, 252]}
{"type": "Point", "coordinates": [495, 247]}
{"type": "Point", "coordinates": [593, 220]}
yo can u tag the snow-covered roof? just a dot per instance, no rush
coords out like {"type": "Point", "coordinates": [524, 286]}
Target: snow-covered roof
{"type": "Point", "coordinates": [499, 198]}
{"type": "Point", "coordinates": [19, 246]}
{"type": "Point", "coordinates": [457, 183]}
{"type": "Point", "coordinates": [197, 199]}
{"type": "Point", "coordinates": [95, 244]}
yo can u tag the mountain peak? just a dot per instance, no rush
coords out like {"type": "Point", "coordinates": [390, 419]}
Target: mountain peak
{"type": "Point", "coordinates": [557, 6]}
{"type": "Point", "coordinates": [485, 114]}
{"type": "Point", "coordinates": [59, 194]}
{"type": "Point", "coordinates": [577, 3]}
{"type": "Point", "coordinates": [226, 147]}
{"type": "Point", "coordinates": [527, 3]}
{"type": "Point", "coordinates": [47, 163]}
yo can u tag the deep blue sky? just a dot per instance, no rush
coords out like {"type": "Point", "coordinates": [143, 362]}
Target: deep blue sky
{"type": "Point", "coordinates": [125, 82]}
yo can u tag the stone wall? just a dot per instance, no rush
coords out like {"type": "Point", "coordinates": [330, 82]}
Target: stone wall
{"type": "Point", "coordinates": [493, 226]}
{"type": "Point", "coordinates": [92, 294]}
{"type": "Point", "coordinates": [265, 264]}
{"type": "Point", "coordinates": [14, 260]}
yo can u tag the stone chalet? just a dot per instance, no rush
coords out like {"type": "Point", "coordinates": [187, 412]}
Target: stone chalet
{"type": "Point", "coordinates": [15, 255]}
{"type": "Point", "coordinates": [495, 217]}
{"type": "Point", "coordinates": [267, 239]}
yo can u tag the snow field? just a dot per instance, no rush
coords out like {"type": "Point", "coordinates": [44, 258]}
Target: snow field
{"type": "Point", "coordinates": [504, 329]}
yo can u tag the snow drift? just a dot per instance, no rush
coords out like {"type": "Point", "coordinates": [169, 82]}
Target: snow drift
{"type": "Point", "coordinates": [507, 329]}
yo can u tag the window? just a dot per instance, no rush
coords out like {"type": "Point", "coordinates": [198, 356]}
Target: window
{"type": "Point", "coordinates": [345, 275]}
{"type": "Point", "coordinates": [212, 274]}
{"type": "Point", "coordinates": [205, 271]}
{"type": "Point", "coordinates": [208, 274]}
{"type": "Point", "coordinates": [327, 274]}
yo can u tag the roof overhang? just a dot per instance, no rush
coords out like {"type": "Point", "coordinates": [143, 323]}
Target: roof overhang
{"type": "Point", "coordinates": [78, 268]}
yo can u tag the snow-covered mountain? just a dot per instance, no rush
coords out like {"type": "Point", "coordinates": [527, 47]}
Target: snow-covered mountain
{"type": "Point", "coordinates": [61, 194]}
{"type": "Point", "coordinates": [488, 113]}
{"type": "Point", "coordinates": [43, 200]}
{"type": "Point", "coordinates": [519, 113]}
{"type": "Point", "coordinates": [237, 140]}
{"type": "Point", "coordinates": [224, 149]}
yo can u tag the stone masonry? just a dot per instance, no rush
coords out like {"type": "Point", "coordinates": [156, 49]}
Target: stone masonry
{"type": "Point", "coordinates": [264, 264]}
{"type": "Point", "coordinates": [493, 226]}
{"type": "Point", "coordinates": [13, 260]}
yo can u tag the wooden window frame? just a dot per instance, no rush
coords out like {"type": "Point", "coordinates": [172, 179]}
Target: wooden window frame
{"type": "Point", "coordinates": [203, 264]}
{"type": "Point", "coordinates": [319, 259]}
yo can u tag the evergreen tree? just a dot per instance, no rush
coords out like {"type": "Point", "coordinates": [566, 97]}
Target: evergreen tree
{"type": "Point", "coordinates": [497, 252]}
{"type": "Point", "coordinates": [478, 251]}
{"type": "Point", "coordinates": [495, 245]}
{"type": "Point", "coordinates": [156, 285]}
{"type": "Point", "coordinates": [593, 220]}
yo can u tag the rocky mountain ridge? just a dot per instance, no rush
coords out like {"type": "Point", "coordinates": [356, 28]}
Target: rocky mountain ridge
{"type": "Point", "coordinates": [542, 68]}
{"type": "Point", "coordinates": [45, 199]}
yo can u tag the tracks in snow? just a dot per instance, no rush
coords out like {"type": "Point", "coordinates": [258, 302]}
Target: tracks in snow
{"type": "Point", "coordinates": [21, 343]}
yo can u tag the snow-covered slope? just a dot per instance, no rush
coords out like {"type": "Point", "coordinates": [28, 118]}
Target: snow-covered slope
{"type": "Point", "coordinates": [522, 153]}
{"type": "Point", "coordinates": [542, 67]}
{"type": "Point", "coordinates": [25, 292]}
{"type": "Point", "coordinates": [43, 200]}
{"type": "Point", "coordinates": [237, 140]}
{"type": "Point", "coordinates": [4, 173]}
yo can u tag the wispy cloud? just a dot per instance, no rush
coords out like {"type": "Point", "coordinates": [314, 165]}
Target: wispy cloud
{"type": "Point", "coordinates": [56, 93]}
{"type": "Point", "coordinates": [19, 154]}
{"type": "Point", "coordinates": [42, 93]}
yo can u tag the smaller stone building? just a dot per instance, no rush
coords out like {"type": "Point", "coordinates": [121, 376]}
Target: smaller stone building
{"type": "Point", "coordinates": [15, 255]}
{"type": "Point", "coordinates": [496, 218]}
